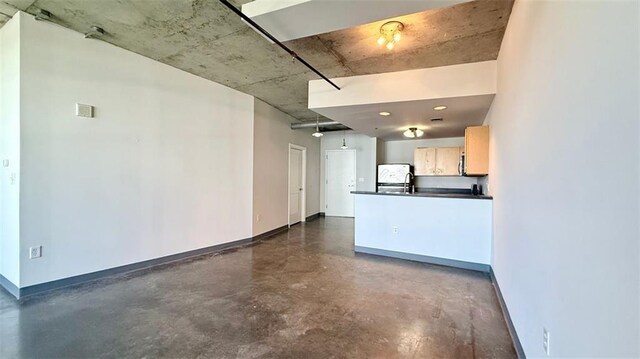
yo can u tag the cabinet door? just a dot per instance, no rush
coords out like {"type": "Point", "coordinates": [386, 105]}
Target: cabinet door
{"type": "Point", "coordinates": [424, 160]}
{"type": "Point", "coordinates": [447, 160]}
{"type": "Point", "coordinates": [476, 150]}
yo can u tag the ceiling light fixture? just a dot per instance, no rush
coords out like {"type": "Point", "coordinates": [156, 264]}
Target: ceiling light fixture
{"type": "Point", "coordinates": [385, 113]}
{"type": "Point", "coordinates": [440, 107]}
{"type": "Point", "coordinates": [344, 141]}
{"type": "Point", "coordinates": [317, 134]}
{"type": "Point", "coordinates": [95, 32]}
{"type": "Point", "coordinates": [413, 132]}
{"type": "Point", "coordinates": [390, 34]}
{"type": "Point", "coordinates": [43, 14]}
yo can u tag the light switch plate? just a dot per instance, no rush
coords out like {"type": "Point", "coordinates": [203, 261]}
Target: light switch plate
{"type": "Point", "coordinates": [84, 110]}
{"type": "Point", "coordinates": [546, 338]}
{"type": "Point", "coordinates": [5, 163]}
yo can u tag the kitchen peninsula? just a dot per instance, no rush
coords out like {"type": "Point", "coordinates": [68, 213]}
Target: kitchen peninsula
{"type": "Point", "coordinates": [445, 229]}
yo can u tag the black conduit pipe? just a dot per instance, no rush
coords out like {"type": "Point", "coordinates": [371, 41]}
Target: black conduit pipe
{"type": "Point", "coordinates": [283, 46]}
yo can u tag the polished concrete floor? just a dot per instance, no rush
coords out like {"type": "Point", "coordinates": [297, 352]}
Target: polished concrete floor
{"type": "Point", "coordinates": [301, 294]}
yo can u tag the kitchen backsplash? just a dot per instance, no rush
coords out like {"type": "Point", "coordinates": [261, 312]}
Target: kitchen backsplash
{"type": "Point", "coordinates": [445, 182]}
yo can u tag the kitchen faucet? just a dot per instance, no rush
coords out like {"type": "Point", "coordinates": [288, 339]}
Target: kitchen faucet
{"type": "Point", "coordinates": [405, 185]}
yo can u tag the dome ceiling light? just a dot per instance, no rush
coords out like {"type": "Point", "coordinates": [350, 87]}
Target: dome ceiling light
{"type": "Point", "coordinates": [413, 132]}
{"type": "Point", "coordinates": [390, 34]}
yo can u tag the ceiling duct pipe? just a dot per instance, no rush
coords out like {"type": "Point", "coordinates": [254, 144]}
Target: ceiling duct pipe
{"type": "Point", "coordinates": [297, 126]}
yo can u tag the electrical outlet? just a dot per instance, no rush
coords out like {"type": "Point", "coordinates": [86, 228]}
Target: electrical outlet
{"type": "Point", "coordinates": [35, 252]}
{"type": "Point", "coordinates": [545, 340]}
{"type": "Point", "coordinates": [395, 230]}
{"type": "Point", "coordinates": [258, 218]}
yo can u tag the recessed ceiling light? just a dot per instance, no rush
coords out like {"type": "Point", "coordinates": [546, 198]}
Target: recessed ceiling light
{"type": "Point", "coordinates": [440, 107]}
{"type": "Point", "coordinates": [385, 113]}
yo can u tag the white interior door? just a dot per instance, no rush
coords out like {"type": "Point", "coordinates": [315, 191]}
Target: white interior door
{"type": "Point", "coordinates": [296, 186]}
{"type": "Point", "coordinates": [339, 182]}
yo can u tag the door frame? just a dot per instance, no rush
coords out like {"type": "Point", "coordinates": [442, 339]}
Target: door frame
{"type": "Point", "coordinates": [303, 201]}
{"type": "Point", "coordinates": [326, 172]}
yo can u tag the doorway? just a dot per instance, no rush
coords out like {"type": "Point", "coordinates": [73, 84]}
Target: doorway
{"type": "Point", "coordinates": [297, 181]}
{"type": "Point", "coordinates": [340, 180]}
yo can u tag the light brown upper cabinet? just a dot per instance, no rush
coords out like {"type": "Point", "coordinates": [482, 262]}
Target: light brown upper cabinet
{"type": "Point", "coordinates": [476, 150]}
{"type": "Point", "coordinates": [424, 160]}
{"type": "Point", "coordinates": [441, 161]}
{"type": "Point", "coordinates": [447, 161]}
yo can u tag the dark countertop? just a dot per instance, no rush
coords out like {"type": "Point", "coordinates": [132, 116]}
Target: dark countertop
{"type": "Point", "coordinates": [425, 194]}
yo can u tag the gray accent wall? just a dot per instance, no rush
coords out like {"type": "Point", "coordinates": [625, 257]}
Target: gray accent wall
{"type": "Point", "coordinates": [272, 135]}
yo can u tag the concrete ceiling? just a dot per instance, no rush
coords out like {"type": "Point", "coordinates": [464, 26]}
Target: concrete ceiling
{"type": "Point", "coordinates": [204, 38]}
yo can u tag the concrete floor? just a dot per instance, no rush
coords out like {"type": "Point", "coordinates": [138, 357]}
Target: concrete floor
{"type": "Point", "coordinates": [302, 294]}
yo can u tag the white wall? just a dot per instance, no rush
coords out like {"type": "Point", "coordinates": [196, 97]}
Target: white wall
{"type": "Point", "coordinates": [272, 136]}
{"type": "Point", "coordinates": [380, 153]}
{"type": "Point", "coordinates": [164, 167]}
{"type": "Point", "coordinates": [449, 237]}
{"type": "Point", "coordinates": [403, 151]}
{"type": "Point", "coordinates": [565, 174]}
{"type": "Point", "coordinates": [10, 150]}
{"type": "Point", "coordinates": [366, 153]}
{"type": "Point", "coordinates": [472, 79]}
